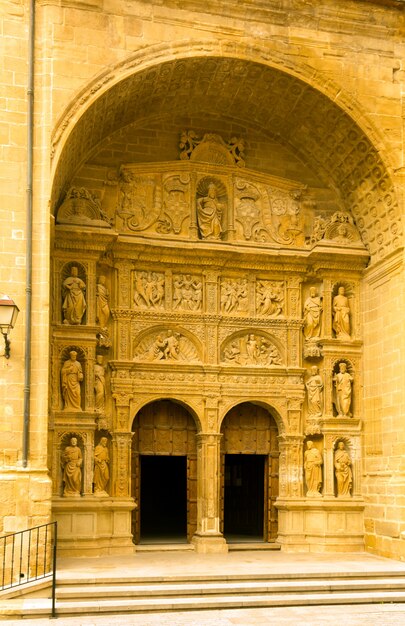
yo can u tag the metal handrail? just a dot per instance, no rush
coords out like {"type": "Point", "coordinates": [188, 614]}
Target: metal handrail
{"type": "Point", "coordinates": [29, 555]}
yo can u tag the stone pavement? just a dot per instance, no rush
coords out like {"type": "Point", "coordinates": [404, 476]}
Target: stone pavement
{"type": "Point", "coordinates": [354, 615]}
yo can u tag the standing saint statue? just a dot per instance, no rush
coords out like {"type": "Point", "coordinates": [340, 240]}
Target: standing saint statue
{"type": "Point", "coordinates": [102, 302]}
{"type": "Point", "coordinates": [343, 471]}
{"type": "Point", "coordinates": [209, 213]}
{"type": "Point", "coordinates": [74, 303]}
{"type": "Point", "coordinates": [72, 474]}
{"type": "Point", "coordinates": [312, 315]}
{"type": "Point", "coordinates": [101, 469]}
{"type": "Point", "coordinates": [314, 387]}
{"type": "Point", "coordinates": [72, 376]}
{"type": "Point", "coordinates": [313, 470]}
{"type": "Point", "coordinates": [343, 383]}
{"type": "Point", "coordinates": [99, 384]}
{"type": "Point", "coordinates": [341, 315]}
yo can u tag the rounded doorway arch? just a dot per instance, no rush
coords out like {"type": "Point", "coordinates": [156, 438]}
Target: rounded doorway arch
{"type": "Point", "coordinates": [249, 474]}
{"type": "Point", "coordinates": [164, 473]}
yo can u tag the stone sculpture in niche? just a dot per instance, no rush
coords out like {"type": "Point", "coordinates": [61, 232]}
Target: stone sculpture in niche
{"type": "Point", "coordinates": [341, 315]}
{"type": "Point", "coordinates": [166, 346]}
{"type": "Point", "coordinates": [71, 377]}
{"type": "Point", "coordinates": [74, 303]}
{"type": "Point", "coordinates": [312, 316]}
{"type": "Point", "coordinates": [101, 467]}
{"type": "Point", "coordinates": [234, 295]}
{"type": "Point", "coordinates": [149, 290]}
{"type": "Point", "coordinates": [209, 213]}
{"type": "Point", "coordinates": [343, 471]}
{"type": "Point", "coordinates": [313, 470]}
{"type": "Point", "coordinates": [72, 461]}
{"type": "Point", "coordinates": [251, 350]}
{"type": "Point", "coordinates": [99, 385]}
{"type": "Point", "coordinates": [343, 383]}
{"type": "Point", "coordinates": [187, 292]}
{"type": "Point", "coordinates": [314, 386]}
{"type": "Point", "coordinates": [102, 302]}
{"type": "Point", "coordinates": [269, 298]}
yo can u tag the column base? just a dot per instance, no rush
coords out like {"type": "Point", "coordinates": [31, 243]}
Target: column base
{"type": "Point", "coordinates": [209, 544]}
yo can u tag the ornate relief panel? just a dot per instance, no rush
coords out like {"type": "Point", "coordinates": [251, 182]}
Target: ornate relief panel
{"type": "Point", "coordinates": [251, 349]}
{"type": "Point", "coordinates": [166, 345]}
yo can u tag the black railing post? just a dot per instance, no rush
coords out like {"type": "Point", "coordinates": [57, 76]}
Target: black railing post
{"type": "Point", "coordinates": [55, 538]}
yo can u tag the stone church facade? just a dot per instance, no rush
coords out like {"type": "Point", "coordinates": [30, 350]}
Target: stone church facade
{"type": "Point", "coordinates": [217, 274]}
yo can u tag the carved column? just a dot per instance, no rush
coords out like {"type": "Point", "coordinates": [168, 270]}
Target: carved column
{"type": "Point", "coordinates": [294, 339]}
{"type": "Point", "coordinates": [121, 467]}
{"type": "Point", "coordinates": [208, 537]}
{"type": "Point", "coordinates": [211, 292]}
{"type": "Point", "coordinates": [327, 308]}
{"type": "Point", "coordinates": [193, 229]}
{"type": "Point", "coordinates": [293, 297]}
{"type": "Point", "coordinates": [124, 284]}
{"type": "Point", "coordinates": [124, 338]}
{"type": "Point", "coordinates": [328, 466]}
{"type": "Point", "coordinates": [252, 295]}
{"type": "Point", "coordinates": [169, 289]}
{"type": "Point", "coordinates": [91, 293]}
{"type": "Point", "coordinates": [291, 466]}
{"type": "Point", "coordinates": [88, 462]}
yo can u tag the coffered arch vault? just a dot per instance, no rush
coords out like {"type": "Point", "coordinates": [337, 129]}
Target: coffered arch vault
{"type": "Point", "coordinates": [302, 118]}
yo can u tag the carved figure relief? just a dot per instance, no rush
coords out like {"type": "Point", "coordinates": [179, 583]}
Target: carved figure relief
{"type": "Point", "coordinates": [286, 221]}
{"type": "Point", "coordinates": [138, 201]}
{"type": "Point", "coordinates": [72, 461]}
{"type": "Point", "coordinates": [71, 377]}
{"type": "Point", "coordinates": [211, 149]}
{"type": "Point", "coordinates": [313, 470]}
{"type": "Point", "coordinates": [234, 295]}
{"type": "Point", "coordinates": [74, 303]}
{"type": "Point", "coordinates": [83, 208]}
{"type": "Point", "coordinates": [339, 229]}
{"type": "Point", "coordinates": [102, 302]}
{"type": "Point", "coordinates": [343, 385]}
{"type": "Point", "coordinates": [149, 292]}
{"type": "Point", "coordinates": [101, 467]}
{"type": "Point", "coordinates": [187, 292]}
{"type": "Point", "coordinates": [341, 315]}
{"type": "Point", "coordinates": [99, 384]}
{"type": "Point", "coordinates": [168, 346]}
{"type": "Point", "coordinates": [251, 349]}
{"type": "Point", "coordinates": [269, 298]}
{"type": "Point", "coordinates": [343, 471]}
{"type": "Point", "coordinates": [314, 386]}
{"type": "Point", "coordinates": [211, 204]}
{"type": "Point", "coordinates": [312, 315]}
{"type": "Point", "coordinates": [176, 204]}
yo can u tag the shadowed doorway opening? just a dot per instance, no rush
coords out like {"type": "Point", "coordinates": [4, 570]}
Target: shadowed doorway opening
{"type": "Point", "coordinates": [244, 497]}
{"type": "Point", "coordinates": [163, 504]}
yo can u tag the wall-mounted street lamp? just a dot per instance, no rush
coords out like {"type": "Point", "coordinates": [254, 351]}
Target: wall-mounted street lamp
{"type": "Point", "coordinates": [8, 316]}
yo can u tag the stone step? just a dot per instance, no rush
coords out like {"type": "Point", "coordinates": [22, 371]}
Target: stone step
{"type": "Point", "coordinates": [37, 607]}
{"type": "Point", "coordinates": [163, 589]}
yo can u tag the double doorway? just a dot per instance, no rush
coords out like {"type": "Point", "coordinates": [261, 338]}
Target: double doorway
{"type": "Point", "coordinates": [164, 474]}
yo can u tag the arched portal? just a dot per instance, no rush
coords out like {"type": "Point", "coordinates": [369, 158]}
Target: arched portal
{"type": "Point", "coordinates": [164, 473]}
{"type": "Point", "coordinates": [249, 474]}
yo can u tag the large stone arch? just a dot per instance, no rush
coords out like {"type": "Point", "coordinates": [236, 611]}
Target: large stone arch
{"type": "Point", "coordinates": [288, 101]}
